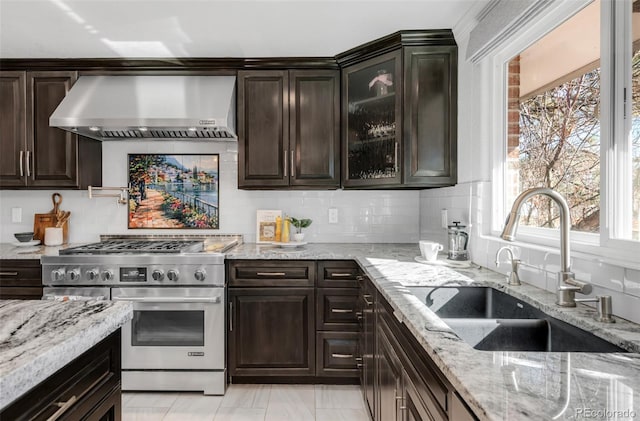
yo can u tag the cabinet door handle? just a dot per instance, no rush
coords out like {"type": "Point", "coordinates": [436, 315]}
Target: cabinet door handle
{"type": "Point", "coordinates": [8, 273]}
{"type": "Point", "coordinates": [360, 278]}
{"type": "Point", "coordinates": [359, 315]}
{"type": "Point", "coordinates": [342, 355]}
{"type": "Point", "coordinates": [28, 163]}
{"type": "Point", "coordinates": [286, 163]}
{"type": "Point", "coordinates": [396, 158]}
{"type": "Point", "coordinates": [341, 275]}
{"type": "Point", "coordinates": [366, 297]}
{"type": "Point", "coordinates": [271, 273]}
{"type": "Point", "coordinates": [293, 167]}
{"type": "Point", "coordinates": [230, 317]}
{"type": "Point", "coordinates": [63, 408]}
{"type": "Point", "coordinates": [341, 310]}
{"type": "Point", "coordinates": [21, 164]}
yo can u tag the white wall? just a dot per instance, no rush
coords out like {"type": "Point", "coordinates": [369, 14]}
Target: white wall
{"type": "Point", "coordinates": [363, 216]}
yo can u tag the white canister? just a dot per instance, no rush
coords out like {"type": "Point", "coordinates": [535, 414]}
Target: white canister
{"type": "Point", "coordinates": [52, 236]}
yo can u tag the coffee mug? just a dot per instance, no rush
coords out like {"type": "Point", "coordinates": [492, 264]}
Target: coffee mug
{"type": "Point", "coordinates": [430, 249]}
{"type": "Point", "coordinates": [52, 236]}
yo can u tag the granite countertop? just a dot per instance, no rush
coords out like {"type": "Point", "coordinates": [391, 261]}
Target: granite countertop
{"type": "Point", "coordinates": [11, 251]}
{"type": "Point", "coordinates": [37, 338]}
{"type": "Point", "coordinates": [496, 385]}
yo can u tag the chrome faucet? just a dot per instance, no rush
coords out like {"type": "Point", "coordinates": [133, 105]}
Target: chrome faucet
{"type": "Point", "coordinates": [514, 279]}
{"type": "Point", "coordinates": [567, 284]}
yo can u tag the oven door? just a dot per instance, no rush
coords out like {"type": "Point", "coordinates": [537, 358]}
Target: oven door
{"type": "Point", "coordinates": [173, 328]}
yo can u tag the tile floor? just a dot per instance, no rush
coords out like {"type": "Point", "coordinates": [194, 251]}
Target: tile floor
{"type": "Point", "coordinates": [250, 403]}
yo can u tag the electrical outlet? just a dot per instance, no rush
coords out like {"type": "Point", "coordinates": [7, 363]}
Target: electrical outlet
{"type": "Point", "coordinates": [445, 218]}
{"type": "Point", "coordinates": [333, 215]}
{"type": "Point", "coordinates": [16, 215]}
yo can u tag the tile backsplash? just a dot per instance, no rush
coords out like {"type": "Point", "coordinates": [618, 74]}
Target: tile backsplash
{"type": "Point", "coordinates": [363, 216]}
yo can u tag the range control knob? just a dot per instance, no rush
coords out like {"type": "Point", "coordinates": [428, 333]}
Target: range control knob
{"type": "Point", "coordinates": [157, 275]}
{"type": "Point", "coordinates": [73, 275]}
{"type": "Point", "coordinates": [200, 275]}
{"type": "Point", "coordinates": [107, 275]}
{"type": "Point", "coordinates": [57, 275]}
{"type": "Point", "coordinates": [173, 275]}
{"type": "Point", "coordinates": [93, 274]}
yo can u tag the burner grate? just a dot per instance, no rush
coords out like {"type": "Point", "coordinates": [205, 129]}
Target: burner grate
{"type": "Point", "coordinates": [137, 247]}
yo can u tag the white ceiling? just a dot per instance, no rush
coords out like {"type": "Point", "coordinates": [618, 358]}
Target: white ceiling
{"type": "Point", "coordinates": [213, 28]}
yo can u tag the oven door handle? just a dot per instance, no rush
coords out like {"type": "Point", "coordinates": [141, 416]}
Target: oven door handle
{"type": "Point", "coordinates": [213, 300]}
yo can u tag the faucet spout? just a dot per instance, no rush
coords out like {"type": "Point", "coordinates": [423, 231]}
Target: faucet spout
{"type": "Point", "coordinates": [567, 284]}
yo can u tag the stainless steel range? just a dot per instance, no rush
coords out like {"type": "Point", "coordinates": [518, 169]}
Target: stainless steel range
{"type": "Point", "coordinates": [176, 340]}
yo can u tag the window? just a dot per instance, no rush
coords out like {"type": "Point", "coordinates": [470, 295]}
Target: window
{"type": "Point", "coordinates": [553, 123]}
{"type": "Point", "coordinates": [571, 122]}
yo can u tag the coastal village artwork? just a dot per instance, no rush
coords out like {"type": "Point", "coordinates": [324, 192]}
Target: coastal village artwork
{"type": "Point", "coordinates": [173, 191]}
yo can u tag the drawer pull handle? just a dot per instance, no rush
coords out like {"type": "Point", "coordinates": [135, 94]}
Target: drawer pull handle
{"type": "Point", "coordinates": [341, 274]}
{"type": "Point", "coordinates": [271, 273]}
{"type": "Point", "coordinates": [359, 315]}
{"type": "Point", "coordinates": [8, 273]}
{"type": "Point", "coordinates": [359, 278]}
{"type": "Point", "coordinates": [342, 355]}
{"type": "Point", "coordinates": [63, 408]}
{"type": "Point", "coordinates": [366, 297]}
{"type": "Point", "coordinates": [341, 310]}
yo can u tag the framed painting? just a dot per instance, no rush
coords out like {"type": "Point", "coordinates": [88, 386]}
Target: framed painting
{"type": "Point", "coordinates": [173, 191]}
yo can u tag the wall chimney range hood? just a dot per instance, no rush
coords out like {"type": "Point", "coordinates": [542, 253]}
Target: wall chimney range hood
{"type": "Point", "coordinates": [149, 108]}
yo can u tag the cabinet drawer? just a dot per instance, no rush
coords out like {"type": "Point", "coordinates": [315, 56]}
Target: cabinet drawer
{"type": "Point", "coordinates": [246, 273]}
{"type": "Point", "coordinates": [337, 309]}
{"type": "Point", "coordinates": [20, 293]}
{"type": "Point", "coordinates": [83, 384]}
{"type": "Point", "coordinates": [23, 273]}
{"type": "Point", "coordinates": [338, 274]}
{"type": "Point", "coordinates": [336, 354]}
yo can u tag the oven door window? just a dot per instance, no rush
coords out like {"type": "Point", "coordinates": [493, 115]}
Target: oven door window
{"type": "Point", "coordinates": [167, 328]}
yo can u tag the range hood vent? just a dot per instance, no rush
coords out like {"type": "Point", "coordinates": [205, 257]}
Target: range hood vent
{"type": "Point", "coordinates": [149, 108]}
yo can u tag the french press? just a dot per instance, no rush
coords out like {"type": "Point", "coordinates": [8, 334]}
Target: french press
{"type": "Point", "coordinates": [458, 241]}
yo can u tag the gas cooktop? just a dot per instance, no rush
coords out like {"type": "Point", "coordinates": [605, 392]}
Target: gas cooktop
{"type": "Point", "coordinates": [137, 247]}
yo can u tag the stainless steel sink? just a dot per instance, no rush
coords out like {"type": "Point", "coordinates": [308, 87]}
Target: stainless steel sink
{"type": "Point", "coordinates": [491, 320]}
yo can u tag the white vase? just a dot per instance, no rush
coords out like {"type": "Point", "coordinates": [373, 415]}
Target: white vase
{"type": "Point", "coordinates": [298, 237]}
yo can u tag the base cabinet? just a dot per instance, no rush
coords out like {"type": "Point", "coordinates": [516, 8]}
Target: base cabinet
{"type": "Point", "coordinates": [402, 383]}
{"type": "Point", "coordinates": [20, 279]}
{"type": "Point", "coordinates": [271, 332]}
{"type": "Point", "coordinates": [88, 388]}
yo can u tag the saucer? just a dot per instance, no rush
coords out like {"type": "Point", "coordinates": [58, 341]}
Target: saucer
{"type": "Point", "coordinates": [27, 243]}
{"type": "Point", "coordinates": [290, 244]}
{"type": "Point", "coordinates": [460, 264]}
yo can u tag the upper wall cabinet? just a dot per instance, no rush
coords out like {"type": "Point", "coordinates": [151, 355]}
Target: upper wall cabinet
{"type": "Point", "coordinates": [35, 155]}
{"type": "Point", "coordinates": [399, 108]}
{"type": "Point", "coordinates": [288, 129]}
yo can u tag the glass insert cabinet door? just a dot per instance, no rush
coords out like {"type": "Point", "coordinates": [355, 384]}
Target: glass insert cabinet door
{"type": "Point", "coordinates": [372, 90]}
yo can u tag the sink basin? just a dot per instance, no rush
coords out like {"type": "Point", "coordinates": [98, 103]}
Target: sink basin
{"type": "Point", "coordinates": [491, 320]}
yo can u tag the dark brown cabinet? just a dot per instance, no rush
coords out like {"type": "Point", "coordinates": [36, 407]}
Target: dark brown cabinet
{"type": "Point", "coordinates": [367, 347]}
{"type": "Point", "coordinates": [271, 318]}
{"type": "Point", "coordinates": [88, 388]}
{"type": "Point", "coordinates": [288, 129]}
{"type": "Point", "coordinates": [399, 108]}
{"type": "Point", "coordinates": [34, 154]}
{"type": "Point", "coordinates": [20, 280]}
{"type": "Point", "coordinates": [430, 119]}
{"type": "Point", "coordinates": [338, 315]}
